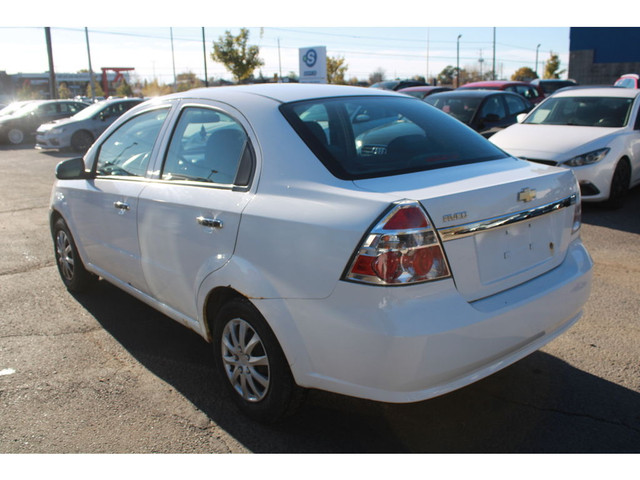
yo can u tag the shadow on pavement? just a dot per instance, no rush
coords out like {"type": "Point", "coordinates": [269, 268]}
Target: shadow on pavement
{"type": "Point", "coordinates": [625, 219]}
{"type": "Point", "coordinates": [540, 404]}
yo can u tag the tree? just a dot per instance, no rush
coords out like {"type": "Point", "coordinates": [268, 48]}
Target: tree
{"type": "Point", "coordinates": [552, 66]}
{"type": "Point", "coordinates": [63, 91]}
{"type": "Point", "coordinates": [99, 91]}
{"type": "Point", "coordinates": [188, 81]}
{"type": "Point", "coordinates": [124, 89]}
{"type": "Point", "coordinates": [448, 75]}
{"type": "Point", "coordinates": [336, 70]}
{"type": "Point", "coordinates": [241, 60]}
{"type": "Point", "coordinates": [154, 89]}
{"type": "Point", "coordinates": [377, 76]}
{"type": "Point", "coordinates": [524, 74]}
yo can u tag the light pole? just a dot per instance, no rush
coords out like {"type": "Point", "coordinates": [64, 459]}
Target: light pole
{"type": "Point", "coordinates": [458, 61]}
{"type": "Point", "coordinates": [537, 59]}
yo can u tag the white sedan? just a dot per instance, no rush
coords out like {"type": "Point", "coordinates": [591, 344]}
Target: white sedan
{"type": "Point", "coordinates": [593, 131]}
{"type": "Point", "coordinates": [395, 272]}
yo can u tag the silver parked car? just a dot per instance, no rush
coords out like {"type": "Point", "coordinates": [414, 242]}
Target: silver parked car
{"type": "Point", "coordinates": [79, 131]}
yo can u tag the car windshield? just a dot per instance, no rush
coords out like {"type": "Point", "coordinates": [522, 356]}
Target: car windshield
{"type": "Point", "coordinates": [90, 111]}
{"type": "Point", "coordinates": [366, 137]}
{"type": "Point", "coordinates": [13, 108]}
{"type": "Point", "coordinates": [461, 108]}
{"type": "Point", "coordinates": [583, 111]}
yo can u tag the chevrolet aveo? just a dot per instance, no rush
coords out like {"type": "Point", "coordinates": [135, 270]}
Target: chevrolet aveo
{"type": "Point", "coordinates": [260, 218]}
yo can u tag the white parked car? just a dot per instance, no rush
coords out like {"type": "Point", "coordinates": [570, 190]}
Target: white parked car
{"type": "Point", "coordinates": [593, 131]}
{"type": "Point", "coordinates": [79, 131]}
{"type": "Point", "coordinates": [394, 272]}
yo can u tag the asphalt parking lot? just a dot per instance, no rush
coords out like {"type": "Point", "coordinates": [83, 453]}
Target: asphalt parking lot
{"type": "Point", "coordinates": [104, 373]}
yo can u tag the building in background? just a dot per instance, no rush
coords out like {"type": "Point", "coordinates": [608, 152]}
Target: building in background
{"type": "Point", "coordinates": [600, 55]}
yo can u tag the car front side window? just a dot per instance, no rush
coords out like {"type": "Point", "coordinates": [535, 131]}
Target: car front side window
{"type": "Point", "coordinates": [126, 152]}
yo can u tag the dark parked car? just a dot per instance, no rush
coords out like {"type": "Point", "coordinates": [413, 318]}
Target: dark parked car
{"type": "Point", "coordinates": [551, 86]}
{"type": "Point", "coordinates": [397, 84]}
{"type": "Point", "coordinates": [531, 92]}
{"type": "Point", "coordinates": [23, 123]}
{"type": "Point", "coordinates": [486, 111]}
{"type": "Point", "coordinates": [423, 91]}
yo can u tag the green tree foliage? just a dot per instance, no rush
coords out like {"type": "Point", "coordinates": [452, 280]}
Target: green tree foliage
{"type": "Point", "coordinates": [63, 91]}
{"type": "Point", "coordinates": [124, 89]}
{"type": "Point", "coordinates": [336, 70]}
{"type": "Point", "coordinates": [524, 74]}
{"type": "Point", "coordinates": [237, 57]}
{"type": "Point", "coordinates": [99, 91]}
{"type": "Point", "coordinates": [551, 68]}
{"type": "Point", "coordinates": [448, 76]}
{"type": "Point", "coordinates": [27, 92]}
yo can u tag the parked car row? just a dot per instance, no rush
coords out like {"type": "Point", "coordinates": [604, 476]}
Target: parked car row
{"type": "Point", "coordinates": [60, 124]}
{"type": "Point", "coordinates": [595, 131]}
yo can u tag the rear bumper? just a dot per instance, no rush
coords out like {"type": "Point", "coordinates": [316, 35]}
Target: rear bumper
{"type": "Point", "coordinates": [411, 343]}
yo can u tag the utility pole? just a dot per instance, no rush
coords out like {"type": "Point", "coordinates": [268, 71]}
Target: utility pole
{"type": "Point", "coordinates": [494, 53]}
{"type": "Point", "coordinates": [279, 63]}
{"type": "Point", "coordinates": [53, 91]}
{"type": "Point", "coordinates": [204, 52]}
{"type": "Point", "coordinates": [173, 61]}
{"type": "Point", "coordinates": [537, 59]}
{"type": "Point", "coordinates": [92, 79]}
{"type": "Point", "coordinates": [458, 61]}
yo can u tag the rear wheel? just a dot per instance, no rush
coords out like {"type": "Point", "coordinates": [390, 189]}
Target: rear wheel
{"type": "Point", "coordinates": [251, 363]}
{"type": "Point", "coordinates": [619, 184]}
{"type": "Point", "coordinates": [81, 141]}
{"type": "Point", "coordinates": [15, 136]}
{"type": "Point", "coordinates": [75, 277]}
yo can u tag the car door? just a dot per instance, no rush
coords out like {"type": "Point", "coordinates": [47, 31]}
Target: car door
{"type": "Point", "coordinates": [105, 211]}
{"type": "Point", "coordinates": [188, 219]}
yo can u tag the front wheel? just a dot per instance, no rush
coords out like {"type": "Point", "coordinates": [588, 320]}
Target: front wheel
{"type": "Point", "coordinates": [252, 365]}
{"type": "Point", "coordinates": [619, 184]}
{"type": "Point", "coordinates": [74, 276]}
{"type": "Point", "coordinates": [15, 136]}
{"type": "Point", "coordinates": [81, 141]}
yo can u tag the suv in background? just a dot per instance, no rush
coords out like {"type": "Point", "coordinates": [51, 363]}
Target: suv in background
{"type": "Point", "coordinates": [79, 131]}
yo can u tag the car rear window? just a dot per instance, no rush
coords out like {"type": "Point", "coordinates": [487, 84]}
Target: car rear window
{"type": "Point", "coordinates": [368, 137]}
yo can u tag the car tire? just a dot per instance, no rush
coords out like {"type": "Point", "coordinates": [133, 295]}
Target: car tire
{"type": "Point", "coordinates": [81, 141]}
{"type": "Point", "coordinates": [619, 184]}
{"type": "Point", "coordinates": [251, 364]}
{"type": "Point", "coordinates": [15, 136]}
{"type": "Point", "coordinates": [72, 271]}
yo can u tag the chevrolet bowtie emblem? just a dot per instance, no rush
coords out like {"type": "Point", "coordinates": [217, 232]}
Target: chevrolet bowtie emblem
{"type": "Point", "coordinates": [526, 195]}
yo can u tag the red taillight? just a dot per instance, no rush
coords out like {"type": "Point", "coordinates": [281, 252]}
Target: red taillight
{"type": "Point", "coordinates": [401, 249]}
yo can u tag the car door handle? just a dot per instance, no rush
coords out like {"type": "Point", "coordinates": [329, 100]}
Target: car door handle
{"type": "Point", "coordinates": [209, 222]}
{"type": "Point", "coordinates": [121, 205]}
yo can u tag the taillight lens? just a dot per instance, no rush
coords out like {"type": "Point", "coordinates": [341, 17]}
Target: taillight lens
{"type": "Point", "coordinates": [402, 248]}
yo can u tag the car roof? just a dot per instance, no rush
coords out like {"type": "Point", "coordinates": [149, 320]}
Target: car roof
{"type": "Point", "coordinates": [598, 92]}
{"type": "Point", "coordinates": [422, 88]}
{"type": "Point", "coordinates": [494, 83]}
{"type": "Point", "coordinates": [474, 93]}
{"type": "Point", "coordinates": [282, 92]}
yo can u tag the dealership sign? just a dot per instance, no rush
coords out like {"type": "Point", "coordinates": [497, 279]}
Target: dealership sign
{"type": "Point", "coordinates": [313, 65]}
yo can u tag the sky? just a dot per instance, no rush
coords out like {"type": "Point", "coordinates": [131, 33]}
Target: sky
{"type": "Point", "coordinates": [416, 39]}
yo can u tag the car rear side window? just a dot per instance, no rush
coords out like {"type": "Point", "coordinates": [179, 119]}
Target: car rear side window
{"type": "Point", "coordinates": [366, 137]}
{"type": "Point", "coordinates": [208, 146]}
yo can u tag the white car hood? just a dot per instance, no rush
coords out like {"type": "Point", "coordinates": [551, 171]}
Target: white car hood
{"type": "Point", "coordinates": [551, 142]}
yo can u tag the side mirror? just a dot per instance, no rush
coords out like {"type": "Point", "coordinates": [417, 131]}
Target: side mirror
{"type": "Point", "coordinates": [363, 117]}
{"type": "Point", "coordinates": [71, 169]}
